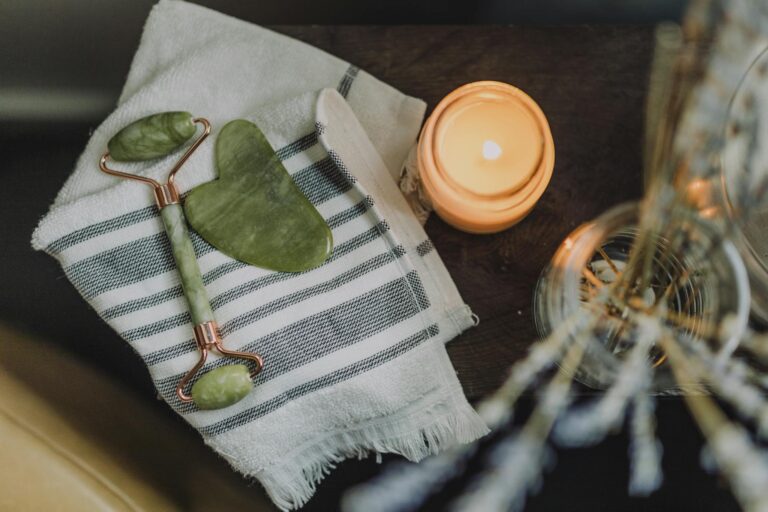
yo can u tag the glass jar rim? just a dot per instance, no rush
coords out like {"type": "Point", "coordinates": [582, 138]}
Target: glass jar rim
{"type": "Point", "coordinates": [558, 296]}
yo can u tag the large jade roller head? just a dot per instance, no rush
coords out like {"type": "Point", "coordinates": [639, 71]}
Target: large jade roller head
{"type": "Point", "coordinates": [152, 137]}
{"type": "Point", "coordinates": [157, 136]}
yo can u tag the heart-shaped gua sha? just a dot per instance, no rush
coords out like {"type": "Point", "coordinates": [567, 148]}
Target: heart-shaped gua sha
{"type": "Point", "coordinates": [254, 212]}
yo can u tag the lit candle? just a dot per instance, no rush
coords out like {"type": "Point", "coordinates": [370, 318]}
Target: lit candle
{"type": "Point", "coordinates": [485, 156]}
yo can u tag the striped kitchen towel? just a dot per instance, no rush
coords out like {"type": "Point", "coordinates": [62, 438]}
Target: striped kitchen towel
{"type": "Point", "coordinates": [354, 354]}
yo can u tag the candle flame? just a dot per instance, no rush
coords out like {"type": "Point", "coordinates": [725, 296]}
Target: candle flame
{"type": "Point", "coordinates": [491, 150]}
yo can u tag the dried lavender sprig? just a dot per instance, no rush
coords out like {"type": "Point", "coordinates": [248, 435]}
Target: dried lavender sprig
{"type": "Point", "coordinates": [497, 409]}
{"type": "Point", "coordinates": [405, 487]}
{"type": "Point", "coordinates": [741, 462]}
{"type": "Point", "coordinates": [589, 424]}
{"type": "Point", "coordinates": [756, 344]}
{"type": "Point", "coordinates": [515, 466]}
{"type": "Point", "coordinates": [645, 449]}
{"type": "Point", "coordinates": [747, 373]}
{"type": "Point", "coordinates": [700, 136]}
{"type": "Point", "coordinates": [748, 400]}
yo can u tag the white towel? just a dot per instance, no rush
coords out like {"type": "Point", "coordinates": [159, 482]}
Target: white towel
{"type": "Point", "coordinates": [353, 350]}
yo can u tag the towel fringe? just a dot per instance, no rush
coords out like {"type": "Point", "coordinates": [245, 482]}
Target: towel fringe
{"type": "Point", "coordinates": [293, 482]}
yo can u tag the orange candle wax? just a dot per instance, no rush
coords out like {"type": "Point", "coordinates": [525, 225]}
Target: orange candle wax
{"type": "Point", "coordinates": [485, 156]}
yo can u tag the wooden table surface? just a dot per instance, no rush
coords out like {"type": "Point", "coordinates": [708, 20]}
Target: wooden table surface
{"type": "Point", "coordinates": [589, 80]}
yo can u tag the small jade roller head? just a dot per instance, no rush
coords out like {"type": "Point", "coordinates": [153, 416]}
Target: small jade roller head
{"type": "Point", "coordinates": [222, 387]}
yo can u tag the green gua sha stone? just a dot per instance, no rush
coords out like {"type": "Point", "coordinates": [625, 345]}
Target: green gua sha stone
{"type": "Point", "coordinates": [254, 212]}
{"type": "Point", "coordinates": [222, 387]}
{"type": "Point", "coordinates": [151, 137]}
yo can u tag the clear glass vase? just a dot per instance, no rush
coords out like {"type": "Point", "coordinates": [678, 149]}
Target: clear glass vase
{"type": "Point", "coordinates": [705, 292]}
{"type": "Point", "coordinates": [743, 176]}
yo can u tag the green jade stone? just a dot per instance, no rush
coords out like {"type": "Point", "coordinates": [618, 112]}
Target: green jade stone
{"type": "Point", "coordinates": [186, 263]}
{"type": "Point", "coordinates": [152, 137]}
{"type": "Point", "coordinates": [222, 387]}
{"type": "Point", "coordinates": [254, 212]}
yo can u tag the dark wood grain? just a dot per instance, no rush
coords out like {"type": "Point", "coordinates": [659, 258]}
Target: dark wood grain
{"type": "Point", "coordinates": [590, 82]}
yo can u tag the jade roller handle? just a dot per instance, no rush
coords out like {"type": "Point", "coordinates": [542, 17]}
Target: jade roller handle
{"type": "Point", "coordinates": [186, 262]}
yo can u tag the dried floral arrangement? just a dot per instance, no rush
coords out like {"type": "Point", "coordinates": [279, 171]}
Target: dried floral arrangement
{"type": "Point", "coordinates": [649, 299]}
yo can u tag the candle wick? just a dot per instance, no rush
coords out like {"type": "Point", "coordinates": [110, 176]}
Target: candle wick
{"type": "Point", "coordinates": [491, 150]}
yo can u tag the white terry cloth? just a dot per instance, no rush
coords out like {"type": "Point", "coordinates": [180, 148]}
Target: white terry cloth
{"type": "Point", "coordinates": [353, 350]}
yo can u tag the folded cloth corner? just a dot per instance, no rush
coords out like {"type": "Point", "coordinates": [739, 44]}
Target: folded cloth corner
{"type": "Point", "coordinates": [354, 350]}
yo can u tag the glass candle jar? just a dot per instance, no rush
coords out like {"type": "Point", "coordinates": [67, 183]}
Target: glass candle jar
{"type": "Point", "coordinates": [712, 295]}
{"type": "Point", "coordinates": [485, 156]}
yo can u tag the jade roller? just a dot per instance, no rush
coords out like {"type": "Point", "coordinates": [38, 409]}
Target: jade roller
{"type": "Point", "coordinates": [153, 137]}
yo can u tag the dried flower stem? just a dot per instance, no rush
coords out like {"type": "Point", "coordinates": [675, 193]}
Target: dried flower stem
{"type": "Point", "coordinates": [518, 462]}
{"type": "Point", "coordinates": [740, 461]}
{"type": "Point", "coordinates": [645, 450]}
{"type": "Point", "coordinates": [589, 424]}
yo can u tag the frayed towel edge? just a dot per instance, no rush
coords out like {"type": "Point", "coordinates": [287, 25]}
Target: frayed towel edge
{"type": "Point", "coordinates": [292, 482]}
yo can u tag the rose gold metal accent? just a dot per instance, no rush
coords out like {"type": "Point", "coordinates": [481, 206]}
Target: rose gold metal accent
{"type": "Point", "coordinates": [167, 193]}
{"type": "Point", "coordinates": [192, 148]}
{"type": "Point", "coordinates": [208, 338]}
